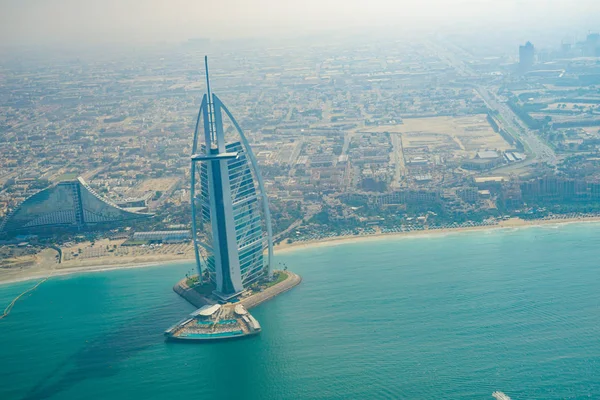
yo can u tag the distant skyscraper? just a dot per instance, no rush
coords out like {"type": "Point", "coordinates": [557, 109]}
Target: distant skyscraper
{"type": "Point", "coordinates": [592, 45]}
{"type": "Point", "coordinates": [66, 206]}
{"type": "Point", "coordinates": [526, 57]}
{"type": "Point", "coordinates": [565, 49]}
{"type": "Point", "coordinates": [236, 229]}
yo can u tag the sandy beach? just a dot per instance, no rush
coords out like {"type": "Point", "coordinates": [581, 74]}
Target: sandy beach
{"type": "Point", "coordinates": [38, 273]}
{"type": "Point", "coordinates": [44, 269]}
{"type": "Point", "coordinates": [93, 258]}
{"type": "Point", "coordinates": [507, 224]}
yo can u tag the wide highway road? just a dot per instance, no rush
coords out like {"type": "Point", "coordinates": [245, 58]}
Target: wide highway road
{"type": "Point", "coordinates": [537, 149]}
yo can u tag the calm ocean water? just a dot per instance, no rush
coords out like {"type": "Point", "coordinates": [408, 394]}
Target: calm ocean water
{"type": "Point", "coordinates": [452, 317]}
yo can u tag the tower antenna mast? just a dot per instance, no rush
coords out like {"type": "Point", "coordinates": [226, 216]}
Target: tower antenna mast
{"type": "Point", "coordinates": [210, 104]}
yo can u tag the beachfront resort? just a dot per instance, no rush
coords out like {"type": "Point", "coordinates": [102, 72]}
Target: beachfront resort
{"type": "Point", "coordinates": [213, 322]}
{"type": "Point", "coordinates": [216, 319]}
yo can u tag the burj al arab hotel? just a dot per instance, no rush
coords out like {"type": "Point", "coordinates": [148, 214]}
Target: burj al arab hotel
{"type": "Point", "coordinates": [231, 222]}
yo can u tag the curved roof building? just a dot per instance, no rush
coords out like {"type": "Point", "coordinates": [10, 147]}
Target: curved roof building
{"type": "Point", "coordinates": [231, 209]}
{"type": "Point", "coordinates": [65, 206]}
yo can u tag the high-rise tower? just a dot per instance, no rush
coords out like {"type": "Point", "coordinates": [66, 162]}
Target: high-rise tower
{"type": "Point", "coordinates": [526, 57]}
{"type": "Point", "coordinates": [231, 209]}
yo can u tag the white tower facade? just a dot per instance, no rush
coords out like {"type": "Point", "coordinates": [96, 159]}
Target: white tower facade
{"type": "Point", "coordinates": [231, 208]}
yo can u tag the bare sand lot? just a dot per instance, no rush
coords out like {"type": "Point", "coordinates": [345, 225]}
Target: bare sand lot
{"type": "Point", "coordinates": [156, 184]}
{"type": "Point", "coordinates": [462, 136]}
{"type": "Point", "coordinates": [467, 134]}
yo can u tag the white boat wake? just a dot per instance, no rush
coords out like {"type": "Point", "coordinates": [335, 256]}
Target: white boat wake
{"type": "Point", "coordinates": [500, 396]}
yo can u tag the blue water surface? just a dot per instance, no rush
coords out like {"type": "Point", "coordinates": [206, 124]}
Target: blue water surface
{"type": "Point", "coordinates": [454, 316]}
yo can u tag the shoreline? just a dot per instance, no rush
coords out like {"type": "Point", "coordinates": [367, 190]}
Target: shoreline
{"type": "Point", "coordinates": [93, 268]}
{"type": "Point", "coordinates": [282, 248]}
{"type": "Point", "coordinates": [512, 223]}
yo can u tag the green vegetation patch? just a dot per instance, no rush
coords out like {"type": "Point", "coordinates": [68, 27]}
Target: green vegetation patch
{"type": "Point", "coordinates": [278, 276]}
{"type": "Point", "coordinates": [204, 289]}
{"type": "Point", "coordinates": [192, 280]}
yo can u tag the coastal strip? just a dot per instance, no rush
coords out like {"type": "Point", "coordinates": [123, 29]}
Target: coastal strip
{"type": "Point", "coordinates": [100, 267]}
{"type": "Point", "coordinates": [197, 300]}
{"type": "Point", "coordinates": [103, 264]}
{"type": "Point", "coordinates": [512, 223]}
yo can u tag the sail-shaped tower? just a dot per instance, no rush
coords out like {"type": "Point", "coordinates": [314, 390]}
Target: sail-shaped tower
{"type": "Point", "coordinates": [231, 222]}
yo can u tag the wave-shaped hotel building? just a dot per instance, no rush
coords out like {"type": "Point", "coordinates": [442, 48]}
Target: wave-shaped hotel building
{"type": "Point", "coordinates": [231, 223]}
{"type": "Point", "coordinates": [63, 207]}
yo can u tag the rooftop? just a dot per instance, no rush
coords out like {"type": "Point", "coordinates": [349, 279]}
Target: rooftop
{"type": "Point", "coordinates": [207, 310]}
{"type": "Point", "coordinates": [487, 154]}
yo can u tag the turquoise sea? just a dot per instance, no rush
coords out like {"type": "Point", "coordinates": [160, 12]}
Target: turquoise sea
{"type": "Point", "coordinates": [454, 316]}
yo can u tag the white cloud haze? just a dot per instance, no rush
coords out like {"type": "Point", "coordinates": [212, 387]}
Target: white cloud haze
{"type": "Point", "coordinates": [86, 21]}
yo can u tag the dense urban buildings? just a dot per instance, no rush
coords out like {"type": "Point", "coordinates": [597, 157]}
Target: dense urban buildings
{"type": "Point", "coordinates": [352, 134]}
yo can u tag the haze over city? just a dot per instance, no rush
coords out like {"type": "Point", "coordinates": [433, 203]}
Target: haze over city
{"type": "Point", "coordinates": [69, 22]}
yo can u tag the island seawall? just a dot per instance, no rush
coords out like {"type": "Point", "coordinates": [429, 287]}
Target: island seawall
{"type": "Point", "coordinates": [197, 300]}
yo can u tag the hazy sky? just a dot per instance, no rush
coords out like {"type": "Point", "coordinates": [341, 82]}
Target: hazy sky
{"type": "Point", "coordinates": [97, 21]}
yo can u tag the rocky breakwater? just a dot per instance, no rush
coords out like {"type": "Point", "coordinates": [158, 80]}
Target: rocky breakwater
{"type": "Point", "coordinates": [288, 283]}
{"type": "Point", "coordinates": [198, 300]}
{"type": "Point", "coordinates": [191, 295]}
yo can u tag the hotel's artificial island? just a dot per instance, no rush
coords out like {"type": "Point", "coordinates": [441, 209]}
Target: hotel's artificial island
{"type": "Point", "coordinates": [232, 235]}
